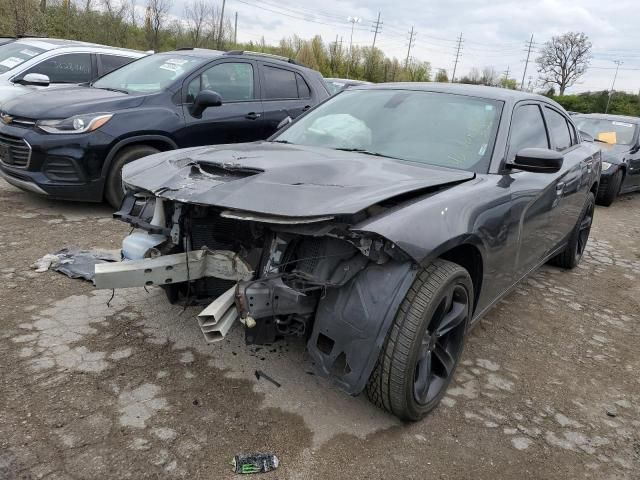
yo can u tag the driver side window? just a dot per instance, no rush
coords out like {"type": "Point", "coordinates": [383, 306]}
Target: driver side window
{"type": "Point", "coordinates": [233, 81]}
{"type": "Point", "coordinates": [527, 130]}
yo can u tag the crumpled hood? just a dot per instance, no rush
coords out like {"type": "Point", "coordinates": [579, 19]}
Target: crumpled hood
{"type": "Point", "coordinates": [68, 101]}
{"type": "Point", "coordinates": [613, 153]}
{"type": "Point", "coordinates": [283, 180]}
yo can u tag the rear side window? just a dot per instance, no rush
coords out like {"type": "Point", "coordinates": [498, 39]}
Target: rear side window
{"type": "Point", "coordinates": [303, 88]}
{"type": "Point", "coordinates": [68, 68]}
{"type": "Point", "coordinates": [527, 130]}
{"type": "Point", "coordinates": [111, 62]}
{"type": "Point", "coordinates": [280, 83]}
{"type": "Point", "coordinates": [559, 129]}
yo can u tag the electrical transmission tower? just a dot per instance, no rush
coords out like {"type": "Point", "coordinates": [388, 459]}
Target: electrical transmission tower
{"type": "Point", "coordinates": [412, 41]}
{"type": "Point", "coordinates": [526, 63]}
{"type": "Point", "coordinates": [458, 50]}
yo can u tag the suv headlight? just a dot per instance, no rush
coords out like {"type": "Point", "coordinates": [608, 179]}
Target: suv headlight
{"type": "Point", "coordinates": [605, 166]}
{"type": "Point", "coordinates": [75, 124]}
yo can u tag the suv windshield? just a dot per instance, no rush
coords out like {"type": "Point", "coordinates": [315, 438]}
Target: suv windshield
{"type": "Point", "coordinates": [608, 131]}
{"type": "Point", "coordinates": [436, 128]}
{"type": "Point", "coordinates": [149, 74]}
{"type": "Point", "coordinates": [14, 53]}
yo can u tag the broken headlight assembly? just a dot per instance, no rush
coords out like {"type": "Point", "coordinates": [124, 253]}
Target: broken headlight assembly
{"type": "Point", "coordinates": [76, 124]}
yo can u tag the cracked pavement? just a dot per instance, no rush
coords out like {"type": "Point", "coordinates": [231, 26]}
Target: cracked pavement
{"type": "Point", "coordinates": [548, 387]}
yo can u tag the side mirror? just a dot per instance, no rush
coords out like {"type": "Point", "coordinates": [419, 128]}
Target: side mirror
{"type": "Point", "coordinates": [284, 122]}
{"type": "Point", "coordinates": [204, 100]}
{"type": "Point", "coordinates": [35, 79]}
{"type": "Point", "coordinates": [540, 160]}
{"type": "Point", "coordinates": [635, 149]}
{"type": "Point", "coordinates": [586, 137]}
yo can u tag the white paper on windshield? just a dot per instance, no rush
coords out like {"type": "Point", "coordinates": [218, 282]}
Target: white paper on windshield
{"type": "Point", "coordinates": [171, 67]}
{"type": "Point", "coordinates": [176, 61]}
{"type": "Point", "coordinates": [31, 53]}
{"type": "Point", "coordinates": [11, 62]}
{"type": "Point", "coordinates": [623, 124]}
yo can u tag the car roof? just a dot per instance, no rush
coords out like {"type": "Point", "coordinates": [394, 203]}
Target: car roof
{"type": "Point", "coordinates": [55, 43]}
{"type": "Point", "coordinates": [607, 116]}
{"type": "Point", "coordinates": [494, 93]}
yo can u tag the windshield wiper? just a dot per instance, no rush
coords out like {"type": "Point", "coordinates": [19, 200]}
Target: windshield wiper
{"type": "Point", "coordinates": [365, 151]}
{"type": "Point", "coordinates": [598, 140]}
{"type": "Point", "coordinates": [119, 90]}
{"type": "Point", "coordinates": [280, 141]}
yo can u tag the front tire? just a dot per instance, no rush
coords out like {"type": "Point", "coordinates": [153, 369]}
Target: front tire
{"type": "Point", "coordinates": [571, 255]}
{"type": "Point", "coordinates": [425, 342]}
{"type": "Point", "coordinates": [608, 194]}
{"type": "Point", "coordinates": [113, 187]}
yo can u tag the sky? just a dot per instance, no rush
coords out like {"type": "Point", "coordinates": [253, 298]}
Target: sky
{"type": "Point", "coordinates": [494, 32]}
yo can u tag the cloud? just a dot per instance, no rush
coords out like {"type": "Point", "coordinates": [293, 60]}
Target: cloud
{"type": "Point", "coordinates": [494, 31]}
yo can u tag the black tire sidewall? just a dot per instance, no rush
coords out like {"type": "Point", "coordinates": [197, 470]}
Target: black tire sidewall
{"type": "Point", "coordinates": [612, 189]}
{"type": "Point", "coordinates": [113, 188]}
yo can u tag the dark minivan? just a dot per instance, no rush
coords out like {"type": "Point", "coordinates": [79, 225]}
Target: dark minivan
{"type": "Point", "coordinates": [71, 143]}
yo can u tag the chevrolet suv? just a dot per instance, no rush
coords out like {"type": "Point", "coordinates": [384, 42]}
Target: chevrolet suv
{"type": "Point", "coordinates": [72, 143]}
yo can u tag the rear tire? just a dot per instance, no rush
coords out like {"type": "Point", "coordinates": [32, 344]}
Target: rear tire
{"type": "Point", "coordinates": [607, 195]}
{"type": "Point", "coordinates": [425, 342]}
{"type": "Point", "coordinates": [113, 187]}
{"type": "Point", "coordinates": [571, 255]}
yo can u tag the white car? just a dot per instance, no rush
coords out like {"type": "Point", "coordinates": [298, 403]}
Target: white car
{"type": "Point", "coordinates": [33, 63]}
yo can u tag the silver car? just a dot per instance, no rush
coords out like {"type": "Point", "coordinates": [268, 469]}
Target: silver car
{"type": "Point", "coordinates": [30, 63]}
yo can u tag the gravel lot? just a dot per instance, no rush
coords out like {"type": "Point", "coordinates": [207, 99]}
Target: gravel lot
{"type": "Point", "coordinates": [549, 386]}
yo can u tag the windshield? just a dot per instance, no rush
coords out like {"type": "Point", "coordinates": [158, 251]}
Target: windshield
{"type": "Point", "coordinates": [149, 74]}
{"type": "Point", "coordinates": [436, 128]}
{"type": "Point", "coordinates": [608, 131]}
{"type": "Point", "coordinates": [14, 53]}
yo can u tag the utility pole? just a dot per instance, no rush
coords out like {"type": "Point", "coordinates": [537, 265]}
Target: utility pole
{"type": "Point", "coordinates": [376, 28]}
{"type": "Point", "coordinates": [412, 41]}
{"type": "Point", "coordinates": [235, 31]}
{"type": "Point", "coordinates": [458, 50]}
{"type": "Point", "coordinates": [526, 63]}
{"type": "Point", "coordinates": [529, 89]}
{"type": "Point", "coordinates": [219, 46]}
{"type": "Point", "coordinates": [353, 21]}
{"type": "Point", "coordinates": [618, 63]}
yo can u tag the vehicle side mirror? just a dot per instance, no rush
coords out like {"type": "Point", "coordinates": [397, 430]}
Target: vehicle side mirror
{"type": "Point", "coordinates": [586, 137]}
{"type": "Point", "coordinates": [35, 79]}
{"type": "Point", "coordinates": [284, 122]}
{"type": "Point", "coordinates": [540, 160]}
{"type": "Point", "coordinates": [635, 149]}
{"type": "Point", "coordinates": [204, 100]}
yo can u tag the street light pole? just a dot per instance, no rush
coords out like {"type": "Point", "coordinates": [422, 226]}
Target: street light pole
{"type": "Point", "coordinates": [618, 63]}
{"type": "Point", "coordinates": [353, 21]}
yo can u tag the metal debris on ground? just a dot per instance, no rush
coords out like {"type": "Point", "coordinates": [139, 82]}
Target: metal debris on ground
{"type": "Point", "coordinates": [75, 262]}
{"type": "Point", "coordinates": [255, 462]}
{"type": "Point", "coordinates": [260, 374]}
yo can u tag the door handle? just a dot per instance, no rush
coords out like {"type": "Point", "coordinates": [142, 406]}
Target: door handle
{"type": "Point", "coordinates": [560, 188]}
{"type": "Point", "coordinates": [252, 116]}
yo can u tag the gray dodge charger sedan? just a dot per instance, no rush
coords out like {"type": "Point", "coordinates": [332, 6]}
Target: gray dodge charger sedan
{"type": "Point", "coordinates": [379, 227]}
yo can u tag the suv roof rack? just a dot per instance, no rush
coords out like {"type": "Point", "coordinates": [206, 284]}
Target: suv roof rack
{"type": "Point", "coordinates": [261, 54]}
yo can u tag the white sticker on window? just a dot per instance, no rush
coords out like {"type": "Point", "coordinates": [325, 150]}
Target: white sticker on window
{"type": "Point", "coordinates": [488, 108]}
{"type": "Point", "coordinates": [170, 67]}
{"type": "Point", "coordinates": [622, 124]}
{"type": "Point", "coordinates": [11, 62]}
{"type": "Point", "coordinates": [176, 61]}
{"type": "Point", "coordinates": [31, 53]}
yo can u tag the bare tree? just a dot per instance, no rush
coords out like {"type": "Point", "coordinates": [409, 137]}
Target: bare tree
{"type": "Point", "coordinates": [156, 15]}
{"type": "Point", "coordinates": [197, 14]}
{"type": "Point", "coordinates": [564, 59]}
{"type": "Point", "coordinates": [489, 76]}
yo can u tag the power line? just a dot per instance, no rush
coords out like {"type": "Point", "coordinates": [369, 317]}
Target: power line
{"type": "Point", "coordinates": [526, 63]}
{"type": "Point", "coordinates": [412, 41]}
{"type": "Point", "coordinates": [455, 65]}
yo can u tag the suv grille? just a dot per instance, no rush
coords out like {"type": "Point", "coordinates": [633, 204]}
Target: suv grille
{"type": "Point", "coordinates": [14, 151]}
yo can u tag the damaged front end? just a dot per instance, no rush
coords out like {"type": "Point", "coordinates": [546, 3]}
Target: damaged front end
{"type": "Point", "coordinates": [310, 277]}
